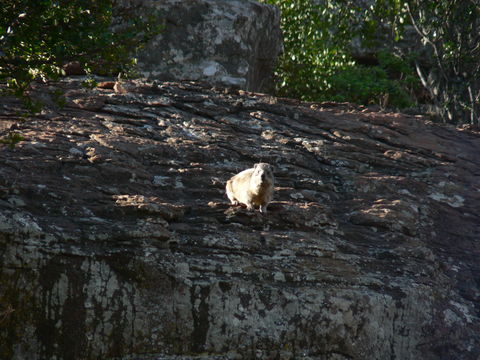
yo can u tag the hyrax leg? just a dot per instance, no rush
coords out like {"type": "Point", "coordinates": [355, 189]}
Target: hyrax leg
{"type": "Point", "coordinates": [230, 194]}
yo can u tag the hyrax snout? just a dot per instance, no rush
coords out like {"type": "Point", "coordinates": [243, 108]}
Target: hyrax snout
{"type": "Point", "coordinates": [252, 187]}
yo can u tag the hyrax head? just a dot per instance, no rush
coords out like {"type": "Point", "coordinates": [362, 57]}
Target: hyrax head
{"type": "Point", "coordinates": [263, 171]}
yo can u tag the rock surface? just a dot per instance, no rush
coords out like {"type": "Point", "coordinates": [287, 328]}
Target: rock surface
{"type": "Point", "coordinates": [232, 43]}
{"type": "Point", "coordinates": [117, 240]}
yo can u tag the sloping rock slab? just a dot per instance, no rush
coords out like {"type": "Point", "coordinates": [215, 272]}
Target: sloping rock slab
{"type": "Point", "coordinates": [117, 239]}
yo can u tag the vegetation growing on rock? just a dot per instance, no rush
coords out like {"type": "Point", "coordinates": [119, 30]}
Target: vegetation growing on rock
{"type": "Point", "coordinates": [37, 38]}
{"type": "Point", "coordinates": [441, 54]}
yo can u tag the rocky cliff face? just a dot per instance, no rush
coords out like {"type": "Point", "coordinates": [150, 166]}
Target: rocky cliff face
{"type": "Point", "coordinates": [117, 240]}
{"type": "Point", "coordinates": [232, 43]}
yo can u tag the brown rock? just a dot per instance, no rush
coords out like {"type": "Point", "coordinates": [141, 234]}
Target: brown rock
{"type": "Point", "coordinates": [117, 240]}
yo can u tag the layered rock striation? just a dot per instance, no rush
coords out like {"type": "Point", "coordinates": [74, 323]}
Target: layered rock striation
{"type": "Point", "coordinates": [117, 239]}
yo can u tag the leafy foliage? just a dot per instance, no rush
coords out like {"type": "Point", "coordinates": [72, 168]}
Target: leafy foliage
{"type": "Point", "coordinates": [314, 41]}
{"type": "Point", "coordinates": [318, 63]}
{"type": "Point", "coordinates": [364, 85]}
{"type": "Point", "coordinates": [11, 139]}
{"type": "Point", "coordinates": [37, 37]}
{"type": "Point", "coordinates": [451, 30]}
{"type": "Point", "coordinates": [390, 84]}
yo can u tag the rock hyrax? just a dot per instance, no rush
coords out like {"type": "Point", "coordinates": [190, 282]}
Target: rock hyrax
{"type": "Point", "coordinates": [252, 187]}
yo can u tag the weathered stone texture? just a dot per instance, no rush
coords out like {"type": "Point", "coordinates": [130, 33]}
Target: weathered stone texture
{"type": "Point", "coordinates": [117, 240]}
{"type": "Point", "coordinates": [230, 43]}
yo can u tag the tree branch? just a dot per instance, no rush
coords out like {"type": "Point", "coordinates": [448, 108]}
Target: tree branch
{"type": "Point", "coordinates": [427, 39]}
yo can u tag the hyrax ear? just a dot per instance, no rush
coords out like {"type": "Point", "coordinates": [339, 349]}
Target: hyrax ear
{"type": "Point", "coordinates": [255, 166]}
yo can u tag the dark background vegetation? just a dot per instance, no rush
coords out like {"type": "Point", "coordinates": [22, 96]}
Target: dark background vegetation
{"type": "Point", "coordinates": [395, 53]}
{"type": "Point", "coordinates": [39, 37]}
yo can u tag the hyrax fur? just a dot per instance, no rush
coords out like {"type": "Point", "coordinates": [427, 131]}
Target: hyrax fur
{"type": "Point", "coordinates": [252, 187]}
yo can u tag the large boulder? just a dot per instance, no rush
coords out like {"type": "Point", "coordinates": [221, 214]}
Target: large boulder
{"type": "Point", "coordinates": [117, 239]}
{"type": "Point", "coordinates": [230, 43]}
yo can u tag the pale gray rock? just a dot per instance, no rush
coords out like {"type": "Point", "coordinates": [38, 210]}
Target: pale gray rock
{"type": "Point", "coordinates": [231, 43]}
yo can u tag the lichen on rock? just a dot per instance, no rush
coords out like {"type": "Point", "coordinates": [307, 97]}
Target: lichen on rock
{"type": "Point", "coordinates": [127, 247]}
{"type": "Point", "coordinates": [232, 43]}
